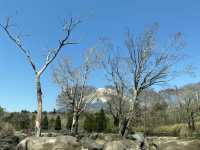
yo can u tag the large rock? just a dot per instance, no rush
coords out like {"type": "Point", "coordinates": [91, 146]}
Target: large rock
{"type": "Point", "coordinates": [137, 136]}
{"type": "Point", "coordinates": [90, 144]}
{"type": "Point", "coordinates": [93, 136]}
{"type": "Point", "coordinates": [122, 145]}
{"type": "Point", "coordinates": [49, 143]}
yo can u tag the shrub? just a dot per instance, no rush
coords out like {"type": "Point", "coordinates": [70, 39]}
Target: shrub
{"type": "Point", "coordinates": [173, 130]}
{"type": "Point", "coordinates": [58, 123]}
{"type": "Point", "coordinates": [6, 129]}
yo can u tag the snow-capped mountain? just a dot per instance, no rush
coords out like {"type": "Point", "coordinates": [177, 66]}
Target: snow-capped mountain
{"type": "Point", "coordinates": [101, 100]}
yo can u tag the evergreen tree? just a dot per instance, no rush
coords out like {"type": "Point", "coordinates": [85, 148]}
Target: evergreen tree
{"type": "Point", "coordinates": [24, 120]}
{"type": "Point", "coordinates": [89, 123]}
{"type": "Point", "coordinates": [52, 124]}
{"type": "Point", "coordinates": [45, 123]}
{"type": "Point", "coordinates": [101, 121]}
{"type": "Point", "coordinates": [69, 121]}
{"type": "Point", "coordinates": [54, 111]}
{"type": "Point", "coordinates": [58, 123]}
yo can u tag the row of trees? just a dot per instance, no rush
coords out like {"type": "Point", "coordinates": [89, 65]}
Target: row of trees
{"type": "Point", "coordinates": [26, 121]}
{"type": "Point", "coordinates": [52, 124]}
{"type": "Point", "coordinates": [184, 104]}
{"type": "Point", "coordinates": [157, 109]}
{"type": "Point", "coordinates": [93, 122]}
{"type": "Point", "coordinates": [169, 107]}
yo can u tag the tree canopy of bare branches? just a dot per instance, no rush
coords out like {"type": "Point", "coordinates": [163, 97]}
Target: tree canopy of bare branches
{"type": "Point", "coordinates": [145, 65]}
{"type": "Point", "coordinates": [75, 94]}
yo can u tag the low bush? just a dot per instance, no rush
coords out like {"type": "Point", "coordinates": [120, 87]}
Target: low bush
{"type": "Point", "coordinates": [173, 130]}
{"type": "Point", "coordinates": [165, 130]}
{"type": "Point", "coordinates": [179, 130]}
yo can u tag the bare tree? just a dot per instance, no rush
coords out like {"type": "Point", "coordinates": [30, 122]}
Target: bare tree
{"type": "Point", "coordinates": [189, 105]}
{"type": "Point", "coordinates": [52, 54]}
{"type": "Point", "coordinates": [147, 65]}
{"type": "Point", "coordinates": [150, 65]}
{"type": "Point", "coordinates": [76, 95]}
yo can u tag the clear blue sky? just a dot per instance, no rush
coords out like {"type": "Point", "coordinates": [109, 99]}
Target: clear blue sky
{"type": "Point", "coordinates": [43, 18]}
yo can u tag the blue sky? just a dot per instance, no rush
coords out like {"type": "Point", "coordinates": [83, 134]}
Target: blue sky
{"type": "Point", "coordinates": [42, 19]}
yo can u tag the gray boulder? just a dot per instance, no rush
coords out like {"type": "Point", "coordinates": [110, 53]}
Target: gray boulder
{"type": "Point", "coordinates": [93, 136]}
{"type": "Point", "coordinates": [90, 144]}
{"type": "Point", "coordinates": [49, 143]}
{"type": "Point", "coordinates": [137, 136]}
{"type": "Point", "coordinates": [122, 145]}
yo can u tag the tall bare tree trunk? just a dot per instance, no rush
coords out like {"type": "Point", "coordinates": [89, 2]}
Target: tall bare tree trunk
{"type": "Point", "coordinates": [39, 111]}
{"type": "Point", "coordinates": [75, 120]}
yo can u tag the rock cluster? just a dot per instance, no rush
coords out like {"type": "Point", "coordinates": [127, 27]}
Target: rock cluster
{"type": "Point", "coordinates": [95, 142]}
{"type": "Point", "coordinates": [72, 143]}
